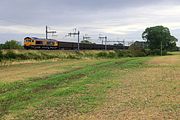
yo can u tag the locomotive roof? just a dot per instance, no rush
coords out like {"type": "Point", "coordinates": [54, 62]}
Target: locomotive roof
{"type": "Point", "coordinates": [40, 39]}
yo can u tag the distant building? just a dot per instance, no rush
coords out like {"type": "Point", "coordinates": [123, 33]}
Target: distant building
{"type": "Point", "coordinates": [140, 44]}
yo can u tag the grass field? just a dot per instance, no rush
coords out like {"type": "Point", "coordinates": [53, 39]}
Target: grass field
{"type": "Point", "coordinates": [92, 89]}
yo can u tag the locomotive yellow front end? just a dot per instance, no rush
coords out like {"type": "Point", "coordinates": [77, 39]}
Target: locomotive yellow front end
{"type": "Point", "coordinates": [39, 43]}
{"type": "Point", "coordinates": [28, 42]}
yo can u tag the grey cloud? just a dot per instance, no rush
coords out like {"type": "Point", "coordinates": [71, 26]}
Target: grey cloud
{"type": "Point", "coordinates": [90, 16]}
{"type": "Point", "coordinates": [41, 12]}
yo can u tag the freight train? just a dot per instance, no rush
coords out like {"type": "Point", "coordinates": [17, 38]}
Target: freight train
{"type": "Point", "coordinates": [51, 44]}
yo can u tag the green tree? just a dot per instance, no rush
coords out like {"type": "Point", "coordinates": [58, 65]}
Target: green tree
{"type": "Point", "coordinates": [86, 42]}
{"type": "Point", "coordinates": [12, 45]}
{"type": "Point", "coordinates": [1, 46]}
{"type": "Point", "coordinates": [172, 44]}
{"type": "Point", "coordinates": [158, 38]}
{"type": "Point", "coordinates": [1, 55]}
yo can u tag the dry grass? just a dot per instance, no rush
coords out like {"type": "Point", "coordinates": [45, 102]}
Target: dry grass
{"type": "Point", "coordinates": [27, 70]}
{"type": "Point", "coordinates": [166, 60]}
{"type": "Point", "coordinates": [152, 92]}
{"type": "Point", "coordinates": [149, 92]}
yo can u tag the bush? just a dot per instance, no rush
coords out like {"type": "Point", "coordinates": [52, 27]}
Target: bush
{"type": "Point", "coordinates": [72, 57]}
{"type": "Point", "coordinates": [128, 53]}
{"type": "Point", "coordinates": [44, 55]}
{"type": "Point", "coordinates": [119, 53]}
{"type": "Point", "coordinates": [139, 53]}
{"type": "Point", "coordinates": [147, 51]}
{"type": "Point", "coordinates": [10, 55]}
{"type": "Point", "coordinates": [12, 45]}
{"type": "Point", "coordinates": [111, 55]}
{"type": "Point", "coordinates": [124, 53]}
{"type": "Point", "coordinates": [1, 55]}
{"type": "Point", "coordinates": [137, 50]}
{"type": "Point", "coordinates": [102, 54]}
{"type": "Point", "coordinates": [89, 55]}
{"type": "Point", "coordinates": [78, 53]}
{"type": "Point", "coordinates": [1, 46]}
{"type": "Point", "coordinates": [35, 56]}
{"type": "Point", "coordinates": [158, 52]}
{"type": "Point", "coordinates": [23, 56]}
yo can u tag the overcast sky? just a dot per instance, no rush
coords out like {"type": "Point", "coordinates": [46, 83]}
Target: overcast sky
{"type": "Point", "coordinates": [117, 19]}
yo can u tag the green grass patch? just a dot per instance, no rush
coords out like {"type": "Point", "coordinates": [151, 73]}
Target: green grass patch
{"type": "Point", "coordinates": [78, 91]}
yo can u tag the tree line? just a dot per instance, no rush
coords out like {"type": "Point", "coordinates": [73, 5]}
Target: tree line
{"type": "Point", "coordinates": [12, 44]}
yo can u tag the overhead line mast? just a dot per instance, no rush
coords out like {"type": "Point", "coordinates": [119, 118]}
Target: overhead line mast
{"type": "Point", "coordinates": [86, 37]}
{"type": "Point", "coordinates": [104, 38]}
{"type": "Point", "coordinates": [78, 34]}
{"type": "Point", "coordinates": [48, 31]}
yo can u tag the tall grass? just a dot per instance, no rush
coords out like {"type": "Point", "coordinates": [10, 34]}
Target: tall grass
{"type": "Point", "coordinates": [44, 55]}
{"type": "Point", "coordinates": [122, 53]}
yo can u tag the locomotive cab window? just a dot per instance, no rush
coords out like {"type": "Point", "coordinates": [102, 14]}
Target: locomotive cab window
{"type": "Point", "coordinates": [27, 40]}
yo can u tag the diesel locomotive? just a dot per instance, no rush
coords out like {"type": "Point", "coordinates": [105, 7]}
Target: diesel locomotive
{"type": "Point", "coordinates": [51, 44]}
